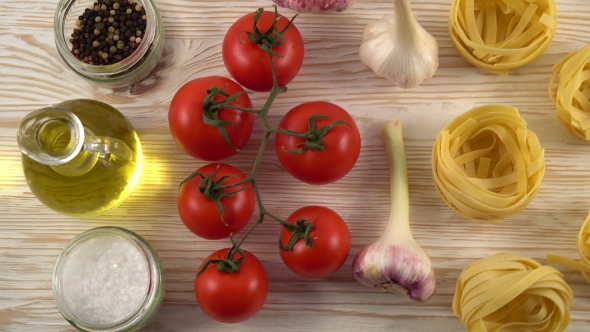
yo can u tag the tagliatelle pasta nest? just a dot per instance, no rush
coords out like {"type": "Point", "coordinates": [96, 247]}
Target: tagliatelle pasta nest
{"type": "Point", "coordinates": [486, 164]}
{"type": "Point", "coordinates": [583, 243]}
{"type": "Point", "coordinates": [499, 35]}
{"type": "Point", "coordinates": [572, 96]}
{"type": "Point", "coordinates": [505, 292]}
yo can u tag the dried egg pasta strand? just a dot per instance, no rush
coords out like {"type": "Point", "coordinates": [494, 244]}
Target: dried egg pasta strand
{"type": "Point", "coordinates": [505, 292]}
{"type": "Point", "coordinates": [583, 244]}
{"type": "Point", "coordinates": [499, 35]}
{"type": "Point", "coordinates": [571, 95]}
{"type": "Point", "coordinates": [486, 164]}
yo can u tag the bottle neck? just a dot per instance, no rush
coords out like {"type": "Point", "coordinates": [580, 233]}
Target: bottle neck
{"type": "Point", "coordinates": [51, 136]}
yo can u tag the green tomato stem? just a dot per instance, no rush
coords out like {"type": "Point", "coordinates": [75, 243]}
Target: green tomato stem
{"type": "Point", "coordinates": [267, 131]}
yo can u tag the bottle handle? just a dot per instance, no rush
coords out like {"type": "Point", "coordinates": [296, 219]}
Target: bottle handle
{"type": "Point", "coordinates": [108, 149]}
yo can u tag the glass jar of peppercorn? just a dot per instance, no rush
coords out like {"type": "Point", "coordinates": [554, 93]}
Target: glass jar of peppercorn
{"type": "Point", "coordinates": [109, 42]}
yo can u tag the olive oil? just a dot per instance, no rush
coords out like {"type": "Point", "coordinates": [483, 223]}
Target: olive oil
{"type": "Point", "coordinates": [91, 183]}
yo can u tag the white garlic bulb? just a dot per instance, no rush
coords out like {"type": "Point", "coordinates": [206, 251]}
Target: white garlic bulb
{"type": "Point", "coordinates": [398, 48]}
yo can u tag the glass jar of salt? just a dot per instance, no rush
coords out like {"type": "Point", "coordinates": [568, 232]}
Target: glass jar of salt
{"type": "Point", "coordinates": [108, 279]}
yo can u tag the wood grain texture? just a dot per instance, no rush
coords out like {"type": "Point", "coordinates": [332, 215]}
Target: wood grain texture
{"type": "Point", "coordinates": [31, 236]}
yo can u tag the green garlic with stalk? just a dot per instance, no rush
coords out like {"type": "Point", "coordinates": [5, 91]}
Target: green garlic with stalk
{"type": "Point", "coordinates": [395, 263]}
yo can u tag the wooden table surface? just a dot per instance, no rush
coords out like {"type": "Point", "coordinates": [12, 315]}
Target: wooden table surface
{"type": "Point", "coordinates": [31, 236]}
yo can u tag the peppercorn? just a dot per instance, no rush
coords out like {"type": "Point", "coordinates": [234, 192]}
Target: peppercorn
{"type": "Point", "coordinates": [108, 26]}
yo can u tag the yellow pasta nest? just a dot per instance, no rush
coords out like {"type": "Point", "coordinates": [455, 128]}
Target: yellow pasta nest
{"type": "Point", "coordinates": [583, 242]}
{"type": "Point", "coordinates": [486, 164]}
{"type": "Point", "coordinates": [498, 35]}
{"type": "Point", "coordinates": [505, 292]}
{"type": "Point", "coordinates": [572, 97]}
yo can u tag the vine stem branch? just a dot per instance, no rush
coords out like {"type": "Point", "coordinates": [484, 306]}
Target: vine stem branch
{"type": "Point", "coordinates": [267, 131]}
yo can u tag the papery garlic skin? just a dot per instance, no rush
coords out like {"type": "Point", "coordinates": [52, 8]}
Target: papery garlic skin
{"type": "Point", "coordinates": [398, 48]}
{"type": "Point", "coordinates": [396, 269]}
{"type": "Point", "coordinates": [315, 5]}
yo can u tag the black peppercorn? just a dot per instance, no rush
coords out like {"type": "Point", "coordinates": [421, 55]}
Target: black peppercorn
{"type": "Point", "coordinates": [108, 26]}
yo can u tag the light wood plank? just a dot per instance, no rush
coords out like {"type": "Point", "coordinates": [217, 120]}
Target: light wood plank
{"type": "Point", "coordinates": [32, 76]}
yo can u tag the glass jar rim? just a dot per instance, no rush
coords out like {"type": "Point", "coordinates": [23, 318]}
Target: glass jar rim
{"type": "Point", "coordinates": [155, 284]}
{"type": "Point", "coordinates": [61, 11]}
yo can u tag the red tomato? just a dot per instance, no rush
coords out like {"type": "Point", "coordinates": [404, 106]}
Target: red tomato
{"type": "Point", "coordinates": [203, 141]}
{"type": "Point", "coordinates": [232, 297]}
{"type": "Point", "coordinates": [200, 214]}
{"type": "Point", "coordinates": [249, 65]}
{"type": "Point", "coordinates": [342, 144]}
{"type": "Point", "coordinates": [330, 246]}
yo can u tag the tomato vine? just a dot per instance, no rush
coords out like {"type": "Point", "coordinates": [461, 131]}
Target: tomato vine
{"type": "Point", "coordinates": [217, 98]}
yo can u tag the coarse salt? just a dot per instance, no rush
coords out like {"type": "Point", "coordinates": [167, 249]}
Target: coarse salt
{"type": "Point", "coordinates": [105, 280]}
